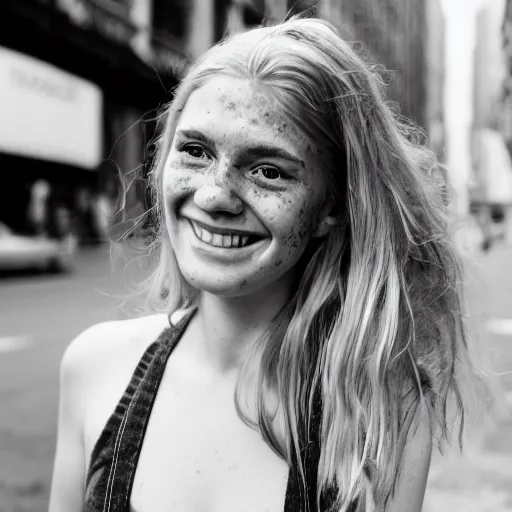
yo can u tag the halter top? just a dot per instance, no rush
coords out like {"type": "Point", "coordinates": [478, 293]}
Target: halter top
{"type": "Point", "coordinates": [114, 457]}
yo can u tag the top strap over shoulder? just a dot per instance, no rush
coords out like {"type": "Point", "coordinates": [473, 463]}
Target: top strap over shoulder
{"type": "Point", "coordinates": [176, 316]}
{"type": "Point", "coordinates": [114, 458]}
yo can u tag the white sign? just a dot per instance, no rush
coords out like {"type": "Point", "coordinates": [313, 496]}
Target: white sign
{"type": "Point", "coordinates": [48, 113]}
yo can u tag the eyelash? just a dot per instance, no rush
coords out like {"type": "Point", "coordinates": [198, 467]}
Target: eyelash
{"type": "Point", "coordinates": [186, 147]}
{"type": "Point", "coordinates": [282, 174]}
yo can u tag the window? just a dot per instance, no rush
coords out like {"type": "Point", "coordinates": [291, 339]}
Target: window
{"type": "Point", "coordinates": [170, 16]}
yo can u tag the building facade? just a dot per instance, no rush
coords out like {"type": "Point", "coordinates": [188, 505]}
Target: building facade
{"type": "Point", "coordinates": [81, 83]}
{"type": "Point", "coordinates": [394, 32]}
{"type": "Point", "coordinates": [506, 40]}
{"type": "Point", "coordinates": [115, 61]}
{"type": "Point", "coordinates": [489, 67]}
{"type": "Point", "coordinates": [490, 124]}
{"type": "Point", "coordinates": [435, 117]}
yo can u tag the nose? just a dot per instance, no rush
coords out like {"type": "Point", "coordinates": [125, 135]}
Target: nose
{"type": "Point", "coordinates": [219, 193]}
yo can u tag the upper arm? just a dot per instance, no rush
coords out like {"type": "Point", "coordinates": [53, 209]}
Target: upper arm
{"type": "Point", "coordinates": [69, 466]}
{"type": "Point", "coordinates": [412, 478]}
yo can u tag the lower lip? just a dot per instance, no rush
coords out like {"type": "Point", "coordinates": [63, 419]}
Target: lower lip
{"type": "Point", "coordinates": [238, 251]}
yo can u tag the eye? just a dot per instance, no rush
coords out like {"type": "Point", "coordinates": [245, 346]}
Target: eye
{"type": "Point", "coordinates": [271, 173]}
{"type": "Point", "coordinates": [195, 151]}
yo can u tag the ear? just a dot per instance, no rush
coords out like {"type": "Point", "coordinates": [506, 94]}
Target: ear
{"type": "Point", "coordinates": [324, 225]}
{"type": "Point", "coordinates": [328, 217]}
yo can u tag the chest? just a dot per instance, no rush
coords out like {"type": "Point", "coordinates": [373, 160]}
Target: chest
{"type": "Point", "coordinates": [198, 455]}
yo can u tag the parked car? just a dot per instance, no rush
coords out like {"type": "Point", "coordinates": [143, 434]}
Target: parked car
{"type": "Point", "coordinates": [21, 252]}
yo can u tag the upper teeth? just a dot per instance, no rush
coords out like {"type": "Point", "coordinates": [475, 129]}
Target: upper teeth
{"type": "Point", "coordinates": [218, 240]}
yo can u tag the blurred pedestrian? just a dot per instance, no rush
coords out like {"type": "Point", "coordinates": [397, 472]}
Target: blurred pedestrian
{"type": "Point", "coordinates": [38, 207]}
{"type": "Point", "coordinates": [102, 211]}
{"type": "Point", "coordinates": [312, 334]}
{"type": "Point", "coordinates": [495, 167]}
{"type": "Point", "coordinates": [85, 216]}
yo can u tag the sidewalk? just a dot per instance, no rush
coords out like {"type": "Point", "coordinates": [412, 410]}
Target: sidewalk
{"type": "Point", "coordinates": [480, 480]}
{"type": "Point", "coordinates": [477, 481]}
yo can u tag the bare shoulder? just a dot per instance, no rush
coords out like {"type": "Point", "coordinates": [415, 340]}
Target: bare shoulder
{"type": "Point", "coordinates": [98, 363]}
{"type": "Point", "coordinates": [97, 367]}
{"type": "Point", "coordinates": [115, 337]}
{"type": "Point", "coordinates": [100, 343]}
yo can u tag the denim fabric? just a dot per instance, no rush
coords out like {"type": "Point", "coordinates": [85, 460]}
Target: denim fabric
{"type": "Point", "coordinates": [114, 458]}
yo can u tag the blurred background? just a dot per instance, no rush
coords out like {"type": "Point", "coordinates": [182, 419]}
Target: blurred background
{"type": "Point", "coordinates": [81, 83]}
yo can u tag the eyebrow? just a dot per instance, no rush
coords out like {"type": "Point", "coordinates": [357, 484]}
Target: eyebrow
{"type": "Point", "coordinates": [195, 134]}
{"type": "Point", "coordinates": [254, 151]}
{"type": "Point", "coordinates": [262, 150]}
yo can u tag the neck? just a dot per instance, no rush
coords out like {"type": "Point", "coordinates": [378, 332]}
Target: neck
{"type": "Point", "coordinates": [226, 328]}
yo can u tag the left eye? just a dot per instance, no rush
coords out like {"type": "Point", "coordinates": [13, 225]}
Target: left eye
{"type": "Point", "coordinates": [195, 151]}
{"type": "Point", "coordinates": [271, 173]}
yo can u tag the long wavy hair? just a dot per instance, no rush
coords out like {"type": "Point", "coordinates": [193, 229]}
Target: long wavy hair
{"type": "Point", "coordinates": [375, 325]}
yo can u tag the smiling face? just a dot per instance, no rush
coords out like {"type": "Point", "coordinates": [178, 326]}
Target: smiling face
{"type": "Point", "coordinates": [241, 194]}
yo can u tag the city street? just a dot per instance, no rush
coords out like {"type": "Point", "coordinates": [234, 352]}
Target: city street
{"type": "Point", "coordinates": [481, 479]}
{"type": "Point", "coordinates": [40, 314]}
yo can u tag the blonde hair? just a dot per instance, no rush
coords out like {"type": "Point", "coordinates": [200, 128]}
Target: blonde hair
{"type": "Point", "coordinates": [375, 325]}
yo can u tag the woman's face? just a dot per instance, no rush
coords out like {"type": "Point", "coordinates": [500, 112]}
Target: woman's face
{"type": "Point", "coordinates": [241, 199]}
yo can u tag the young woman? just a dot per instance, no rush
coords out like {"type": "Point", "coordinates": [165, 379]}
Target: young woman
{"type": "Point", "coordinates": [315, 339]}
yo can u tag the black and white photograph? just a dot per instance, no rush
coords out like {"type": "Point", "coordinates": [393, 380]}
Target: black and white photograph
{"type": "Point", "coordinates": [256, 256]}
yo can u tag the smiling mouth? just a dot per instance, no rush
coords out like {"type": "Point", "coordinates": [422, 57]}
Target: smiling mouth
{"type": "Point", "coordinates": [223, 241]}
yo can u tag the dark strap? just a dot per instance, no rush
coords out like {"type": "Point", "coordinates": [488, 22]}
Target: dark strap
{"type": "Point", "coordinates": [140, 395]}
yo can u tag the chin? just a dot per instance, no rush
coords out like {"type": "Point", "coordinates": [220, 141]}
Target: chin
{"type": "Point", "coordinates": [221, 289]}
{"type": "Point", "coordinates": [224, 285]}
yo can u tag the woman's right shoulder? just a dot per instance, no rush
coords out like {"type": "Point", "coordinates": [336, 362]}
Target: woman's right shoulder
{"type": "Point", "coordinates": [109, 343]}
{"type": "Point", "coordinates": [94, 371]}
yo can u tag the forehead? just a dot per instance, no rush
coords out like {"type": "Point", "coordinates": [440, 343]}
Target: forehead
{"type": "Point", "coordinates": [237, 109]}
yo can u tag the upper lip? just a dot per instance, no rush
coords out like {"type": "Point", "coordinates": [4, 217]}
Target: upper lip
{"type": "Point", "coordinates": [226, 230]}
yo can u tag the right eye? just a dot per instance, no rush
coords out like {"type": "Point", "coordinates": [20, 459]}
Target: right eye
{"type": "Point", "coordinates": [195, 151]}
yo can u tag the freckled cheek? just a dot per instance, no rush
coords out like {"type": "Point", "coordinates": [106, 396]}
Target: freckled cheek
{"type": "Point", "coordinates": [300, 228]}
{"type": "Point", "coordinates": [176, 183]}
{"type": "Point", "coordinates": [295, 233]}
{"type": "Point", "coordinates": [295, 239]}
